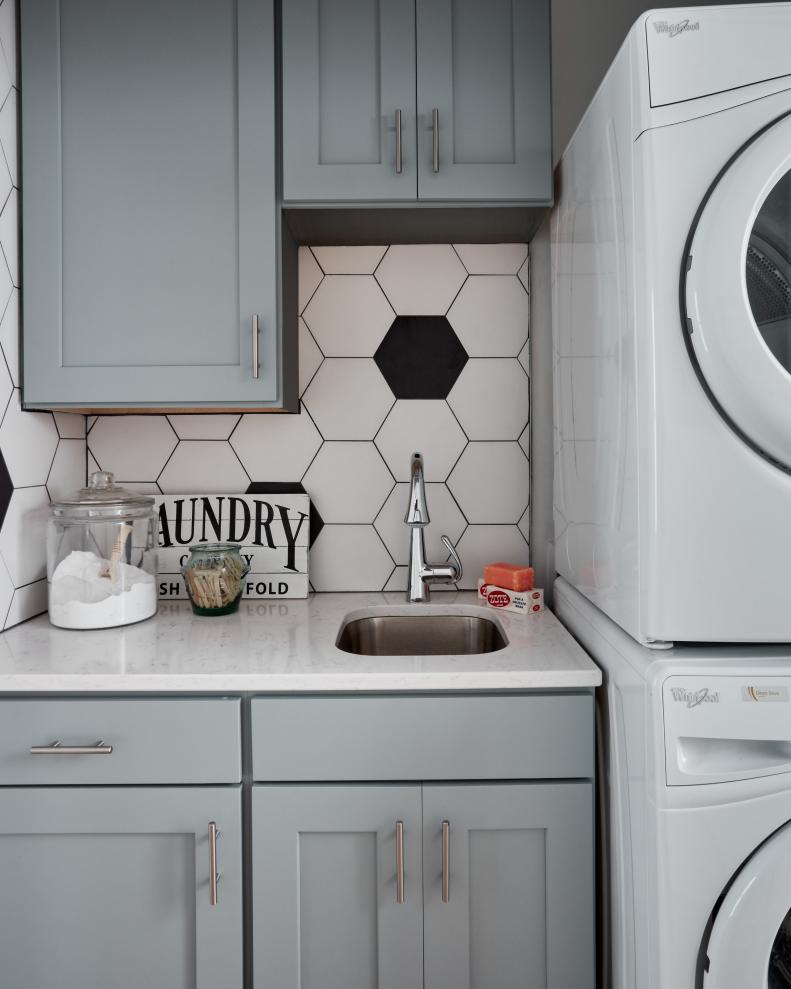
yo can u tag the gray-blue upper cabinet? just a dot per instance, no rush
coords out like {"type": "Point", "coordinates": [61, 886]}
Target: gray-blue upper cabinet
{"type": "Point", "coordinates": [483, 97]}
{"type": "Point", "coordinates": [408, 100]}
{"type": "Point", "coordinates": [150, 217]}
{"type": "Point", "coordinates": [349, 100]}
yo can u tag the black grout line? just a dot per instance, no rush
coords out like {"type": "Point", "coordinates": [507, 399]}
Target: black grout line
{"type": "Point", "coordinates": [313, 253]}
{"type": "Point", "coordinates": [445, 314]}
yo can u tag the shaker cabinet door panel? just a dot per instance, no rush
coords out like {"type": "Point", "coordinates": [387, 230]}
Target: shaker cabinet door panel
{"type": "Point", "coordinates": [151, 229]}
{"type": "Point", "coordinates": [110, 887]}
{"type": "Point", "coordinates": [518, 906]}
{"type": "Point", "coordinates": [325, 887]}
{"type": "Point", "coordinates": [348, 67]}
{"type": "Point", "coordinates": [484, 69]}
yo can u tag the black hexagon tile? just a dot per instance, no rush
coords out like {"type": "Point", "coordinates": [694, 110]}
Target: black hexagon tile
{"type": "Point", "coordinates": [289, 487]}
{"type": "Point", "coordinates": [421, 357]}
{"type": "Point", "coordinates": [6, 489]}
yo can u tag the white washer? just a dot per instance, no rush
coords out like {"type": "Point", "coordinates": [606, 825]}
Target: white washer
{"type": "Point", "coordinates": [696, 793]}
{"type": "Point", "coordinates": [671, 253]}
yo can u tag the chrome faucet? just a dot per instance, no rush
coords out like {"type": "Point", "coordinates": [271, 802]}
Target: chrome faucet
{"type": "Point", "coordinates": [420, 575]}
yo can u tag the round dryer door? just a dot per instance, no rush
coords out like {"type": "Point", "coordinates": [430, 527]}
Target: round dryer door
{"type": "Point", "coordinates": [737, 292]}
{"type": "Point", "coordinates": [750, 942]}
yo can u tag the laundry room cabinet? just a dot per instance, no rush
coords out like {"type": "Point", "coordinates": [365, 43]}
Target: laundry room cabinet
{"type": "Point", "coordinates": [111, 887]}
{"type": "Point", "coordinates": [416, 100]}
{"type": "Point", "coordinates": [402, 887]}
{"type": "Point", "coordinates": [121, 859]}
{"type": "Point", "coordinates": [370, 869]}
{"type": "Point", "coordinates": [151, 249]}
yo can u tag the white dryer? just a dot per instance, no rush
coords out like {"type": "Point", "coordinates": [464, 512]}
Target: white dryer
{"type": "Point", "coordinates": [671, 254]}
{"type": "Point", "coordinates": [696, 799]}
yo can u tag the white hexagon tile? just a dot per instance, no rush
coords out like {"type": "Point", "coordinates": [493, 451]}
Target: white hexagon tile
{"type": "Point", "coordinates": [348, 315]}
{"type": "Point", "coordinates": [276, 448]}
{"type": "Point", "coordinates": [505, 415]}
{"type": "Point", "coordinates": [421, 279]}
{"type": "Point", "coordinates": [491, 316]}
{"type": "Point", "coordinates": [425, 426]}
{"type": "Point", "coordinates": [348, 482]}
{"type": "Point", "coordinates": [348, 399]}
{"type": "Point", "coordinates": [133, 448]}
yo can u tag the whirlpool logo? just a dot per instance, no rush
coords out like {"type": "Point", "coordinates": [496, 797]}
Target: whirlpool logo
{"type": "Point", "coordinates": [694, 698]}
{"type": "Point", "coordinates": [675, 28]}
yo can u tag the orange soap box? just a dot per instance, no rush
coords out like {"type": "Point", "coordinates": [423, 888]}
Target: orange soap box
{"type": "Point", "coordinates": [505, 599]}
{"type": "Point", "coordinates": [510, 576]}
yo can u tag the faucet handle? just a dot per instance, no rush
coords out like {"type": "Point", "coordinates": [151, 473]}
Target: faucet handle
{"type": "Point", "coordinates": [455, 558]}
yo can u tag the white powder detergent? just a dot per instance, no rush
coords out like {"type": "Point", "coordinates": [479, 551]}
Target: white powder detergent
{"type": "Point", "coordinates": [80, 597]}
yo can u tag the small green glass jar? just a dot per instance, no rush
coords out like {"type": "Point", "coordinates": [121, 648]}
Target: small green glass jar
{"type": "Point", "coordinates": [214, 574]}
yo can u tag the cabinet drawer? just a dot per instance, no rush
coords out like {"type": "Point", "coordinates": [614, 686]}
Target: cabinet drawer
{"type": "Point", "coordinates": [152, 741]}
{"type": "Point", "coordinates": [537, 736]}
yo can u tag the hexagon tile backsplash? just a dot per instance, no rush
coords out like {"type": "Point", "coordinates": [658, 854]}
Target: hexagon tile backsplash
{"type": "Point", "coordinates": [401, 348]}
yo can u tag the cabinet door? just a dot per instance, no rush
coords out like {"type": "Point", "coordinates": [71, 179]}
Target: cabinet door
{"type": "Point", "coordinates": [149, 202]}
{"type": "Point", "coordinates": [520, 905]}
{"type": "Point", "coordinates": [110, 887]}
{"type": "Point", "coordinates": [348, 67]}
{"type": "Point", "coordinates": [484, 67]}
{"type": "Point", "coordinates": [325, 887]}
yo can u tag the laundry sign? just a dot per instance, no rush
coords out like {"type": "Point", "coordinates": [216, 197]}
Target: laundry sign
{"type": "Point", "coordinates": [272, 529]}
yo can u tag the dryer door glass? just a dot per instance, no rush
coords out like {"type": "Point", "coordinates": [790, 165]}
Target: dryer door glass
{"type": "Point", "coordinates": [768, 271]}
{"type": "Point", "coordinates": [736, 293]}
{"type": "Point", "coordinates": [750, 941]}
{"type": "Point", "coordinates": [780, 958]}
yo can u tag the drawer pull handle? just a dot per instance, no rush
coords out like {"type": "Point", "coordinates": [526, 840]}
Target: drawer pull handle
{"type": "Point", "coordinates": [214, 875]}
{"type": "Point", "coordinates": [398, 160]}
{"type": "Point", "coordinates": [446, 861]}
{"type": "Point", "coordinates": [57, 748]}
{"type": "Point", "coordinates": [399, 861]}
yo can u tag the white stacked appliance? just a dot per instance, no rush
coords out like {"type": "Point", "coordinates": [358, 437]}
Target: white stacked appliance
{"type": "Point", "coordinates": [671, 257]}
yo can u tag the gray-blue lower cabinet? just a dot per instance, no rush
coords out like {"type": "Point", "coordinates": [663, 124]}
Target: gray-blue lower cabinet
{"type": "Point", "coordinates": [109, 887]}
{"type": "Point", "coordinates": [500, 897]}
{"type": "Point", "coordinates": [151, 224]}
{"type": "Point", "coordinates": [326, 887]}
{"type": "Point", "coordinates": [516, 908]}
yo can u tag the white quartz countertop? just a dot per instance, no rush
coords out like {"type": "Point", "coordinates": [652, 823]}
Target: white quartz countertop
{"type": "Point", "coordinates": [283, 645]}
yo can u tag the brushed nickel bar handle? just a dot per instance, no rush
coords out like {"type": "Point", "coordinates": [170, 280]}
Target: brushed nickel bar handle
{"type": "Point", "coordinates": [256, 330]}
{"type": "Point", "coordinates": [399, 163]}
{"type": "Point", "coordinates": [435, 138]}
{"type": "Point", "coordinates": [214, 876]}
{"type": "Point", "coordinates": [399, 861]}
{"type": "Point", "coordinates": [446, 861]}
{"type": "Point", "coordinates": [56, 748]}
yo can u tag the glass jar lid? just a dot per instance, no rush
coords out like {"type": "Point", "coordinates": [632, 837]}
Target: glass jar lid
{"type": "Point", "coordinates": [102, 498]}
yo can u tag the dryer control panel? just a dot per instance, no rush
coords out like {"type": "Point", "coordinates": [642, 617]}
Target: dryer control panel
{"type": "Point", "coordinates": [722, 728]}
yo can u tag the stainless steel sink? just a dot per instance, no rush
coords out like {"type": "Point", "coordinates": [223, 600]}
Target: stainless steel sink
{"type": "Point", "coordinates": [421, 635]}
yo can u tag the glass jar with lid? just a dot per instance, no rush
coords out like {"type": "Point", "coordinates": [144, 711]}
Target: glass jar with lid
{"type": "Point", "coordinates": [101, 557]}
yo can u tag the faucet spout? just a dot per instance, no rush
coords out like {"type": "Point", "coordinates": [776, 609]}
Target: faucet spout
{"type": "Point", "coordinates": [417, 510]}
{"type": "Point", "coordinates": [420, 574]}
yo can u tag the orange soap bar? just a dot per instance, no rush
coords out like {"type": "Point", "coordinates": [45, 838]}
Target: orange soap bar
{"type": "Point", "coordinates": [509, 575]}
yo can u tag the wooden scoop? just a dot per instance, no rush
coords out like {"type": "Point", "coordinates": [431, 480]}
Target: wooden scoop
{"type": "Point", "coordinates": [111, 570]}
